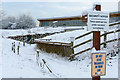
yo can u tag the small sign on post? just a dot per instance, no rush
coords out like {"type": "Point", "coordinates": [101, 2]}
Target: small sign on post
{"type": "Point", "coordinates": [98, 21]}
{"type": "Point", "coordinates": [98, 64]}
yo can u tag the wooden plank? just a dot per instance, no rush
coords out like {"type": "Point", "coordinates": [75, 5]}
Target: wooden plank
{"type": "Point", "coordinates": [109, 41]}
{"type": "Point", "coordinates": [83, 35]}
{"type": "Point", "coordinates": [110, 32]}
{"type": "Point", "coordinates": [82, 43]}
{"type": "Point", "coordinates": [81, 52]}
{"type": "Point", "coordinates": [114, 24]}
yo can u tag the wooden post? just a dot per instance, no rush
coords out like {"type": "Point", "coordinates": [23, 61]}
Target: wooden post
{"type": "Point", "coordinates": [47, 65]}
{"type": "Point", "coordinates": [96, 44]}
{"type": "Point", "coordinates": [18, 49]}
{"type": "Point", "coordinates": [14, 47]}
{"type": "Point", "coordinates": [72, 48]}
{"type": "Point", "coordinates": [96, 39]}
{"type": "Point", "coordinates": [72, 44]}
{"type": "Point", "coordinates": [30, 43]}
{"type": "Point", "coordinates": [37, 57]}
{"type": "Point", "coordinates": [23, 43]}
{"type": "Point", "coordinates": [105, 38]}
{"type": "Point", "coordinates": [38, 53]}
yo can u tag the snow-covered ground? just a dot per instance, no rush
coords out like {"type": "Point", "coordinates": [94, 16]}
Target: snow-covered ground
{"type": "Point", "coordinates": [25, 65]}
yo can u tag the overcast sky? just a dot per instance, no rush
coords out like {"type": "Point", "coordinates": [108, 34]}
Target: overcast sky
{"type": "Point", "coordinates": [55, 8]}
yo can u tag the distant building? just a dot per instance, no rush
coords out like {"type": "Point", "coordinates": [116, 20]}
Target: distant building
{"type": "Point", "coordinates": [73, 21]}
{"type": "Point", "coordinates": [114, 17]}
{"type": "Point", "coordinates": [62, 21]}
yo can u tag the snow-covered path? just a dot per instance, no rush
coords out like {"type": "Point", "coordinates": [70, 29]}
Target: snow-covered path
{"type": "Point", "coordinates": [22, 65]}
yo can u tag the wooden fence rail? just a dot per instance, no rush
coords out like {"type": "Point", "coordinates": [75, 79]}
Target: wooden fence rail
{"type": "Point", "coordinates": [109, 41]}
{"type": "Point", "coordinates": [83, 35]}
{"type": "Point", "coordinates": [110, 32]}
{"type": "Point", "coordinates": [82, 43]}
{"type": "Point", "coordinates": [73, 55]}
{"type": "Point", "coordinates": [115, 23]}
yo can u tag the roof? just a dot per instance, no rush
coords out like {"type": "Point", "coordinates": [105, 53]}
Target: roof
{"type": "Point", "coordinates": [113, 14]}
{"type": "Point", "coordinates": [60, 18]}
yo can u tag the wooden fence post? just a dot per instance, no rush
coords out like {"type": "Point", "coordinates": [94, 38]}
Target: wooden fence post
{"type": "Point", "coordinates": [23, 43]}
{"type": "Point", "coordinates": [18, 49]}
{"type": "Point", "coordinates": [105, 38]}
{"type": "Point", "coordinates": [30, 43]}
{"type": "Point", "coordinates": [37, 57]}
{"type": "Point", "coordinates": [72, 48]}
{"type": "Point", "coordinates": [46, 65]}
{"type": "Point", "coordinates": [14, 47]}
{"type": "Point", "coordinates": [72, 44]}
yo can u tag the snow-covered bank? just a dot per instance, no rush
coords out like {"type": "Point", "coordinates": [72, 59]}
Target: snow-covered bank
{"type": "Point", "coordinates": [25, 66]}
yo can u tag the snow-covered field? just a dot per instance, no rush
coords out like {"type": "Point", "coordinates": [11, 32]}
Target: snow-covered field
{"type": "Point", "coordinates": [25, 65]}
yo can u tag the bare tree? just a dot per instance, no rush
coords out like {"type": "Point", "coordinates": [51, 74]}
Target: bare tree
{"type": "Point", "coordinates": [8, 21]}
{"type": "Point", "coordinates": [25, 21]}
{"type": "Point", "coordinates": [21, 22]}
{"type": "Point", "coordinates": [2, 15]}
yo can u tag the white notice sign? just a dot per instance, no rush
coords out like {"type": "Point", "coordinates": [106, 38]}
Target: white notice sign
{"type": "Point", "coordinates": [98, 21]}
